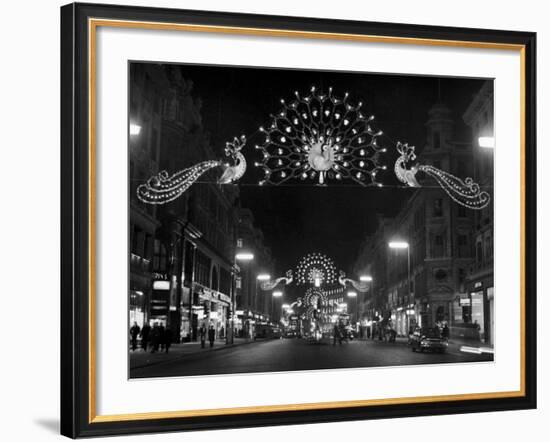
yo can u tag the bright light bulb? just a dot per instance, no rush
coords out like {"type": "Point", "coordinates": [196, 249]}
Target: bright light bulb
{"type": "Point", "coordinates": [135, 129]}
{"type": "Point", "coordinates": [487, 142]}
{"type": "Point", "coordinates": [398, 245]}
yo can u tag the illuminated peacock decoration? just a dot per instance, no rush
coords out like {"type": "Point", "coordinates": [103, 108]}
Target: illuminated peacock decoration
{"type": "Point", "coordinates": [316, 269]}
{"type": "Point", "coordinates": [465, 192]}
{"type": "Point", "coordinates": [320, 137]}
{"type": "Point", "coordinates": [163, 188]}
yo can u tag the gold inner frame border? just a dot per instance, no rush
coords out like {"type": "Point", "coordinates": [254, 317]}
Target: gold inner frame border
{"type": "Point", "coordinates": [93, 24]}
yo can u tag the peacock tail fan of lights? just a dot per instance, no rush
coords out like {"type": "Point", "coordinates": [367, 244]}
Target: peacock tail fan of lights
{"type": "Point", "coordinates": [164, 188]}
{"type": "Point", "coordinates": [320, 137]}
{"type": "Point", "coordinates": [464, 192]}
{"type": "Point", "coordinates": [316, 269]}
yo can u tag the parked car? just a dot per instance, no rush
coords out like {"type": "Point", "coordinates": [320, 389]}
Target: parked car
{"type": "Point", "coordinates": [428, 339]}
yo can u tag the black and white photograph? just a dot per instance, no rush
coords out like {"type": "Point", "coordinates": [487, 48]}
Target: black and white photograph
{"type": "Point", "coordinates": [285, 220]}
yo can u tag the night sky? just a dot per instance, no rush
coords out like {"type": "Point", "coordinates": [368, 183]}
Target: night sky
{"type": "Point", "coordinates": [302, 218]}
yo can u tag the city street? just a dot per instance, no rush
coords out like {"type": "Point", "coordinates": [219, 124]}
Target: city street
{"type": "Point", "coordinates": [298, 354]}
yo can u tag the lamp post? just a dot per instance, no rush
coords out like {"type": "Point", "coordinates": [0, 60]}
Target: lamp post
{"type": "Point", "coordinates": [135, 129]}
{"type": "Point", "coordinates": [244, 257]}
{"type": "Point", "coordinates": [354, 295]}
{"type": "Point", "coordinates": [398, 245]}
{"type": "Point", "coordinates": [261, 277]}
{"type": "Point", "coordinates": [276, 294]}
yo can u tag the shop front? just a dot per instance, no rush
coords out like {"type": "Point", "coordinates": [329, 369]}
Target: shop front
{"type": "Point", "coordinates": [212, 308]}
{"type": "Point", "coordinates": [481, 295]}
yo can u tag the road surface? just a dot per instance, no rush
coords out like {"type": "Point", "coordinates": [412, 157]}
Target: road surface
{"type": "Point", "coordinates": [297, 354]}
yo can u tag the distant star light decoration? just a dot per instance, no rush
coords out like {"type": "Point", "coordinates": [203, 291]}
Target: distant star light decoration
{"type": "Point", "coordinates": [464, 192]}
{"type": "Point", "coordinates": [320, 137]}
{"type": "Point", "coordinates": [163, 188]}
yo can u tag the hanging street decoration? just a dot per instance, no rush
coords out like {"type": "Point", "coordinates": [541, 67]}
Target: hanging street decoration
{"type": "Point", "coordinates": [320, 137]}
{"type": "Point", "coordinates": [466, 193]}
{"type": "Point", "coordinates": [361, 286]}
{"type": "Point", "coordinates": [316, 269]}
{"type": "Point", "coordinates": [285, 280]}
{"type": "Point", "coordinates": [163, 188]}
{"type": "Point", "coordinates": [315, 297]}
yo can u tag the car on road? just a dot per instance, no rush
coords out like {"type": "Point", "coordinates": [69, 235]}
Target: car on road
{"type": "Point", "coordinates": [428, 339]}
{"type": "Point", "coordinates": [290, 334]}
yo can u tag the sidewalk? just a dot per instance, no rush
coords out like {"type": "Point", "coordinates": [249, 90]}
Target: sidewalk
{"type": "Point", "coordinates": [140, 358]}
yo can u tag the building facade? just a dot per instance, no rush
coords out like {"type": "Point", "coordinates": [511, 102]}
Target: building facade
{"type": "Point", "coordinates": [425, 283]}
{"type": "Point", "coordinates": [255, 306]}
{"type": "Point", "coordinates": [479, 281]}
{"type": "Point", "coordinates": [182, 269]}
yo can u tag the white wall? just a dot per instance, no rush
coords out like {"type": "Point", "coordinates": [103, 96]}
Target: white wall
{"type": "Point", "coordinates": [29, 142]}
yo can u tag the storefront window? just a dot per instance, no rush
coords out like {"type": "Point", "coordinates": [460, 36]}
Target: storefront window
{"type": "Point", "coordinates": [477, 312]}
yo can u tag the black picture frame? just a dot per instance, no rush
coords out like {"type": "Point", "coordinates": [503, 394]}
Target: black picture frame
{"type": "Point", "coordinates": [77, 417]}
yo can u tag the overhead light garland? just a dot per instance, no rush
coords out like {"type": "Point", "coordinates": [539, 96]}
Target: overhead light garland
{"type": "Point", "coordinates": [464, 192]}
{"type": "Point", "coordinates": [361, 286]}
{"type": "Point", "coordinates": [163, 188]}
{"type": "Point", "coordinates": [284, 280]}
{"type": "Point", "coordinates": [320, 137]}
{"type": "Point", "coordinates": [317, 137]}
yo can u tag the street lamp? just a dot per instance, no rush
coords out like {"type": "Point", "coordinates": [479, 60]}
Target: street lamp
{"type": "Point", "coordinates": [260, 277]}
{"type": "Point", "coordinates": [135, 129]}
{"type": "Point", "coordinates": [240, 256]}
{"type": "Point", "coordinates": [404, 245]}
{"type": "Point", "coordinates": [486, 142]}
{"type": "Point", "coordinates": [354, 295]}
{"type": "Point", "coordinates": [275, 294]}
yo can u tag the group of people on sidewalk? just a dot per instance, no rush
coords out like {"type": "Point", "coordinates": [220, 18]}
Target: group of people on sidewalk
{"type": "Point", "coordinates": [158, 337]}
{"type": "Point", "coordinates": [204, 333]}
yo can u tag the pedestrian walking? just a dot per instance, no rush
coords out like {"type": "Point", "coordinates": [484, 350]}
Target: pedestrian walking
{"type": "Point", "coordinates": [336, 334]}
{"type": "Point", "coordinates": [145, 335]}
{"type": "Point", "coordinates": [211, 335]}
{"type": "Point", "coordinates": [155, 337]}
{"type": "Point", "coordinates": [445, 332]}
{"type": "Point", "coordinates": [134, 333]}
{"type": "Point", "coordinates": [202, 335]}
{"type": "Point", "coordinates": [161, 337]}
{"type": "Point", "coordinates": [168, 336]}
